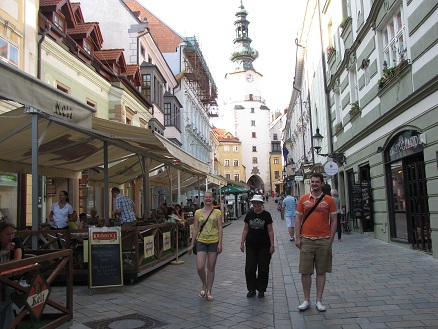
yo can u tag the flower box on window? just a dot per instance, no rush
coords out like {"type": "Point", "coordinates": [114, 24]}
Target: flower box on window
{"type": "Point", "coordinates": [338, 128]}
{"type": "Point", "coordinates": [390, 73]}
{"type": "Point", "coordinates": [354, 110]}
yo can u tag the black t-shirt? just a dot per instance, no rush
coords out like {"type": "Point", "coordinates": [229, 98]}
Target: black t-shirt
{"type": "Point", "coordinates": [258, 237]}
{"type": "Point", "coordinates": [17, 242]}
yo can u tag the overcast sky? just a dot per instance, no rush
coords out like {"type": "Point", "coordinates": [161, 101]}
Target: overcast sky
{"type": "Point", "coordinates": [274, 25]}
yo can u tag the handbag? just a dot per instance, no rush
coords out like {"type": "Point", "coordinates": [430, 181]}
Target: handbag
{"type": "Point", "coordinates": [195, 250]}
{"type": "Point", "coordinates": [313, 208]}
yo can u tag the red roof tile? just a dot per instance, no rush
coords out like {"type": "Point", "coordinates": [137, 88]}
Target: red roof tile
{"type": "Point", "coordinates": [48, 3]}
{"type": "Point", "coordinates": [167, 40]}
{"type": "Point", "coordinates": [108, 54]}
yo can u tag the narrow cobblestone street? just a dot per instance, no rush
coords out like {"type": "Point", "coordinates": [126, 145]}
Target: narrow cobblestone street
{"type": "Point", "coordinates": [373, 285]}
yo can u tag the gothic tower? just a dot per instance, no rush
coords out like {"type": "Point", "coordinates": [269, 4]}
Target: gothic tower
{"type": "Point", "coordinates": [246, 115]}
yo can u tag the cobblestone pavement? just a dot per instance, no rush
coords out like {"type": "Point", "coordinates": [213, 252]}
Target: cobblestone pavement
{"type": "Point", "coordinates": [373, 285]}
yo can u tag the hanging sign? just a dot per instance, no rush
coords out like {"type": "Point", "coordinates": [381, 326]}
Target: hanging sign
{"type": "Point", "coordinates": [331, 168]}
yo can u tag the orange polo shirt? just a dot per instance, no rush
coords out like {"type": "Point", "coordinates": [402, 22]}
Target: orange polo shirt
{"type": "Point", "coordinates": [317, 225]}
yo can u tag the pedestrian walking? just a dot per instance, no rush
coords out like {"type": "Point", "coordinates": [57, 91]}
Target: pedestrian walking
{"type": "Point", "coordinates": [288, 207]}
{"type": "Point", "coordinates": [207, 228]}
{"type": "Point", "coordinates": [335, 196]}
{"type": "Point", "coordinates": [316, 221]}
{"type": "Point", "coordinates": [258, 238]}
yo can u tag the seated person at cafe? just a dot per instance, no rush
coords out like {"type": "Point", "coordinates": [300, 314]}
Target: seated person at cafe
{"type": "Point", "coordinates": [74, 222]}
{"type": "Point", "coordinates": [94, 218]}
{"type": "Point", "coordinates": [12, 244]}
{"type": "Point", "coordinates": [179, 211]}
{"type": "Point", "coordinates": [172, 216]}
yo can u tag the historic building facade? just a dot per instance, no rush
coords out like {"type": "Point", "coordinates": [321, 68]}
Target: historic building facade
{"type": "Point", "coordinates": [373, 98]}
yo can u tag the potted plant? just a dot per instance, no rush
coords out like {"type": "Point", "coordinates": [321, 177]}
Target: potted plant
{"type": "Point", "coordinates": [344, 22]}
{"type": "Point", "coordinates": [354, 110]}
{"type": "Point", "coordinates": [338, 127]}
{"type": "Point", "coordinates": [391, 72]}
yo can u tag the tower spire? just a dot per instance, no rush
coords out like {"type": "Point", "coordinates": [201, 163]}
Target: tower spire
{"type": "Point", "coordinates": [243, 54]}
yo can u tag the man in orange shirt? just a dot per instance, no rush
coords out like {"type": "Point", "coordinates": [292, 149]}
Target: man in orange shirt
{"type": "Point", "coordinates": [314, 238]}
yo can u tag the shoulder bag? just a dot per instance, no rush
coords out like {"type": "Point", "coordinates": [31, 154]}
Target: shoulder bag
{"type": "Point", "coordinates": [313, 208]}
{"type": "Point", "coordinates": [194, 250]}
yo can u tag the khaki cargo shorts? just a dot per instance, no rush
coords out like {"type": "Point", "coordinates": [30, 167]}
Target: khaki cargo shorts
{"type": "Point", "coordinates": [315, 254]}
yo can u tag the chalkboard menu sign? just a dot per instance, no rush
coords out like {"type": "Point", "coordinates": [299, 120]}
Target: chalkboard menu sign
{"type": "Point", "coordinates": [362, 205]}
{"type": "Point", "coordinates": [357, 201]}
{"type": "Point", "coordinates": [105, 257]}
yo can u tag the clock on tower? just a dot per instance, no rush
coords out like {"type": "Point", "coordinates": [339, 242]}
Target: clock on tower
{"type": "Point", "coordinates": [249, 77]}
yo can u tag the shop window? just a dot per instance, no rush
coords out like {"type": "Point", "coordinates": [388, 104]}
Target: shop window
{"type": "Point", "coordinates": [399, 225]}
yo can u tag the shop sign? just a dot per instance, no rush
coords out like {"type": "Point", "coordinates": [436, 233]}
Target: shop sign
{"type": "Point", "coordinates": [407, 143]}
{"type": "Point", "coordinates": [37, 296]}
{"type": "Point", "coordinates": [299, 178]}
{"type": "Point", "coordinates": [331, 168]}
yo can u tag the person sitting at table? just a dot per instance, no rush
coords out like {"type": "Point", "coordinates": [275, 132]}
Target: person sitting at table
{"type": "Point", "coordinates": [179, 211]}
{"type": "Point", "coordinates": [94, 218]}
{"type": "Point", "coordinates": [171, 216]}
{"type": "Point", "coordinates": [12, 244]}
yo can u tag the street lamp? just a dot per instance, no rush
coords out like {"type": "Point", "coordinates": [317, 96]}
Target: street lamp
{"type": "Point", "coordinates": [317, 142]}
{"type": "Point", "coordinates": [284, 173]}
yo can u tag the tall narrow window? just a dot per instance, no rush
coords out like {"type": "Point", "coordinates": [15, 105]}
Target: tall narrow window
{"type": "Point", "coordinates": [236, 177]}
{"type": "Point", "coordinates": [146, 86]}
{"type": "Point", "coordinates": [254, 160]}
{"type": "Point", "coordinates": [394, 47]}
{"type": "Point", "coordinates": [236, 163]}
{"type": "Point", "coordinates": [253, 134]}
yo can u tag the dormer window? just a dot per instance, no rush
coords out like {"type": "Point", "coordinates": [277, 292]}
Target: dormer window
{"type": "Point", "coordinates": [59, 22]}
{"type": "Point", "coordinates": [87, 46]}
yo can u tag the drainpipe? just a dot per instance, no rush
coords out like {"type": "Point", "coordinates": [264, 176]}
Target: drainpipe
{"type": "Point", "coordinates": [40, 41]}
{"type": "Point", "coordinates": [327, 96]}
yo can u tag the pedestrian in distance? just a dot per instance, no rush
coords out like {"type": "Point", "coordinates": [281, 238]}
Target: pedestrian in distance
{"type": "Point", "coordinates": [289, 207]}
{"type": "Point", "coordinates": [258, 238]}
{"type": "Point", "coordinates": [207, 228]}
{"type": "Point", "coordinates": [316, 221]}
{"type": "Point", "coordinates": [335, 196]}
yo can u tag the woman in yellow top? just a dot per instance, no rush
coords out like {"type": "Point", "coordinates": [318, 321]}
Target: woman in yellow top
{"type": "Point", "coordinates": [209, 243]}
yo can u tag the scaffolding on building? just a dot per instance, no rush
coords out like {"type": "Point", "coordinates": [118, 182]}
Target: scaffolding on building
{"type": "Point", "coordinates": [199, 77]}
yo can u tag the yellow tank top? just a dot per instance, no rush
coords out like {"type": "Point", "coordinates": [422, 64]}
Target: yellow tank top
{"type": "Point", "coordinates": [210, 232]}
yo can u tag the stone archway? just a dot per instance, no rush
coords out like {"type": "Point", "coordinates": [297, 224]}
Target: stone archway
{"type": "Point", "coordinates": [255, 182]}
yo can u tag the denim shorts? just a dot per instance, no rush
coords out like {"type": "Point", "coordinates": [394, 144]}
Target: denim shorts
{"type": "Point", "coordinates": [206, 247]}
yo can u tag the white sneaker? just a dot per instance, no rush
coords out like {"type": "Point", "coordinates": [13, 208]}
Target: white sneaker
{"type": "Point", "coordinates": [304, 306]}
{"type": "Point", "coordinates": [320, 307]}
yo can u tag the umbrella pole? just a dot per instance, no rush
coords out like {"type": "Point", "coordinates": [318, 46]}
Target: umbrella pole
{"type": "Point", "coordinates": [177, 261]}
